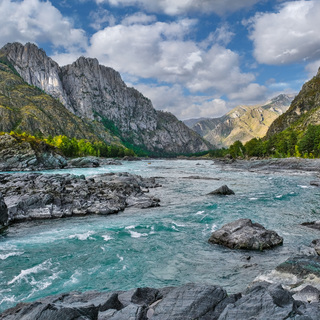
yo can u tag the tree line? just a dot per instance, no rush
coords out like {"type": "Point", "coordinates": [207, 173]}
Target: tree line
{"type": "Point", "coordinates": [288, 143]}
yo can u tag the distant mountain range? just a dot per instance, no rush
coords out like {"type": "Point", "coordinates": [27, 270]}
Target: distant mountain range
{"type": "Point", "coordinates": [242, 123]}
{"type": "Point", "coordinates": [84, 99]}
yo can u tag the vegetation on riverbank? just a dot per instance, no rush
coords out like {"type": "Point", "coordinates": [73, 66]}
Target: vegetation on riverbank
{"type": "Point", "coordinates": [75, 147]}
{"type": "Point", "coordinates": [288, 143]}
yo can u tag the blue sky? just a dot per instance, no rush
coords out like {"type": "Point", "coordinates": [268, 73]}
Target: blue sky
{"type": "Point", "coordinates": [194, 58]}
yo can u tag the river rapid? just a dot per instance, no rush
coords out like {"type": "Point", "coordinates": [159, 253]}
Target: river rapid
{"type": "Point", "coordinates": [164, 246]}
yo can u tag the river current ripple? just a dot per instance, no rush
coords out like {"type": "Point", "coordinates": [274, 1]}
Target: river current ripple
{"type": "Point", "coordinates": [165, 246]}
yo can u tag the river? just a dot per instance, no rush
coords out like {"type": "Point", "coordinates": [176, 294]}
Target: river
{"type": "Point", "coordinates": [164, 246]}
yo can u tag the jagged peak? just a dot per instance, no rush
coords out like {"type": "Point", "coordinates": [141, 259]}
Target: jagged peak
{"type": "Point", "coordinates": [17, 46]}
{"type": "Point", "coordinates": [85, 60]}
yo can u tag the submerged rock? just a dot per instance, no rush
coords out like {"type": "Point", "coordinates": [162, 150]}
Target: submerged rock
{"type": "Point", "coordinates": [244, 234]}
{"type": "Point", "coordinates": [32, 196]}
{"type": "Point", "coordinates": [315, 183]}
{"type": "Point", "coordinates": [313, 224]}
{"type": "Point", "coordinates": [223, 191]}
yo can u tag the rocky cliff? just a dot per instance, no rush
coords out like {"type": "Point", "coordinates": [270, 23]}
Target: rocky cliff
{"type": "Point", "coordinates": [304, 109]}
{"type": "Point", "coordinates": [97, 93]}
{"type": "Point", "coordinates": [243, 122]}
{"type": "Point", "coordinates": [18, 154]}
{"type": "Point", "coordinates": [26, 108]}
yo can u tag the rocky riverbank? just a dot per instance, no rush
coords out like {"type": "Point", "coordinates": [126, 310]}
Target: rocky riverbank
{"type": "Point", "coordinates": [31, 196]}
{"type": "Point", "coordinates": [192, 301]}
{"type": "Point", "coordinates": [272, 165]}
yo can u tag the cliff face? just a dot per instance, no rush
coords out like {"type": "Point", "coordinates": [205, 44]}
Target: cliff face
{"type": "Point", "coordinates": [95, 92]}
{"type": "Point", "coordinates": [27, 108]}
{"type": "Point", "coordinates": [304, 109]}
{"type": "Point", "coordinates": [243, 122]}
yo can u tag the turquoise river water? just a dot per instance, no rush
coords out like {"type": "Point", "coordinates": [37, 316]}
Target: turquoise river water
{"type": "Point", "coordinates": [165, 246]}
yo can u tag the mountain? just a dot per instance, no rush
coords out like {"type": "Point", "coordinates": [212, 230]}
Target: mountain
{"type": "Point", "coordinates": [304, 109]}
{"type": "Point", "coordinates": [26, 108]}
{"type": "Point", "coordinates": [243, 122]}
{"type": "Point", "coordinates": [97, 94]}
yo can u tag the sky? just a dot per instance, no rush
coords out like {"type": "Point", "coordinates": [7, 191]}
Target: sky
{"type": "Point", "coordinates": [194, 58]}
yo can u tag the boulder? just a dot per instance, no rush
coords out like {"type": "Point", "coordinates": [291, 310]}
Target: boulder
{"type": "Point", "coordinates": [84, 162]}
{"type": "Point", "coordinates": [262, 301]}
{"type": "Point", "coordinates": [222, 191]}
{"type": "Point", "coordinates": [316, 246]}
{"type": "Point", "coordinates": [3, 211]}
{"type": "Point", "coordinates": [295, 273]}
{"type": "Point", "coordinates": [191, 301]}
{"type": "Point", "coordinates": [244, 234]}
{"type": "Point", "coordinates": [312, 225]}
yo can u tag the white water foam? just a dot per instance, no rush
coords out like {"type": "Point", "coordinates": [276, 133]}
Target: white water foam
{"type": "Point", "coordinates": [214, 227]}
{"type": "Point", "coordinates": [130, 227]}
{"type": "Point", "coordinates": [253, 199]}
{"type": "Point", "coordinates": [10, 254]}
{"type": "Point", "coordinates": [119, 257]}
{"type": "Point", "coordinates": [137, 234]}
{"type": "Point", "coordinates": [75, 278]}
{"type": "Point", "coordinates": [82, 236]}
{"type": "Point", "coordinates": [303, 187]}
{"type": "Point", "coordinates": [24, 273]}
{"type": "Point", "coordinates": [178, 225]}
{"type": "Point", "coordinates": [199, 212]}
{"type": "Point", "coordinates": [106, 237]}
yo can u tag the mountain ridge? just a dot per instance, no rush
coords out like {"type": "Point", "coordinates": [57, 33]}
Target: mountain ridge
{"type": "Point", "coordinates": [97, 93]}
{"type": "Point", "coordinates": [304, 109]}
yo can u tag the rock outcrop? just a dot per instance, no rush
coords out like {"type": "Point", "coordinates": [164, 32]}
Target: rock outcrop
{"type": "Point", "coordinates": [241, 123]}
{"type": "Point", "coordinates": [295, 273]}
{"type": "Point", "coordinates": [222, 191]}
{"type": "Point", "coordinates": [3, 211]}
{"type": "Point", "coordinates": [18, 155]}
{"type": "Point", "coordinates": [31, 196]}
{"type": "Point", "coordinates": [191, 301]}
{"type": "Point", "coordinates": [244, 234]}
{"type": "Point", "coordinates": [95, 92]}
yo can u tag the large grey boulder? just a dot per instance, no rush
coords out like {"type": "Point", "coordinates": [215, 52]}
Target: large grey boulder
{"type": "Point", "coordinates": [244, 234]}
{"type": "Point", "coordinates": [263, 302]}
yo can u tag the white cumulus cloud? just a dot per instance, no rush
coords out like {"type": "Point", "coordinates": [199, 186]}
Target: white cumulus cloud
{"type": "Point", "coordinates": [177, 7]}
{"type": "Point", "coordinates": [38, 21]}
{"type": "Point", "coordinates": [162, 51]}
{"type": "Point", "coordinates": [290, 35]}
